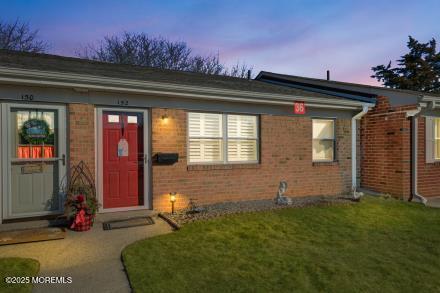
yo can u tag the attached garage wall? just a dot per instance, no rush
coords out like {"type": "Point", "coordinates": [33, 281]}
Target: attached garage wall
{"type": "Point", "coordinates": [286, 154]}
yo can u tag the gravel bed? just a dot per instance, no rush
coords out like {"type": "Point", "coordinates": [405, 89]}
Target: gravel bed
{"type": "Point", "coordinates": [182, 217]}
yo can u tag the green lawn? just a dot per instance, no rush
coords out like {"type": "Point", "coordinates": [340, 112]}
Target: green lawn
{"type": "Point", "coordinates": [15, 267]}
{"type": "Point", "coordinates": [378, 245]}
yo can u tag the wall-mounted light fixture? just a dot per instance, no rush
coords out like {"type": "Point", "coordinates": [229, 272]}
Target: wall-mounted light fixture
{"type": "Point", "coordinates": [164, 118]}
{"type": "Point", "coordinates": [172, 200]}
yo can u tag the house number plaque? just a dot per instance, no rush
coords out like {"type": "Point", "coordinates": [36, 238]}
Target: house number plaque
{"type": "Point", "coordinates": [31, 169]}
{"type": "Point", "coordinates": [299, 108]}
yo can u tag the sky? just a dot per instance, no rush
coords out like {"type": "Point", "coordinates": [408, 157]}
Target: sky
{"type": "Point", "coordinates": [303, 38]}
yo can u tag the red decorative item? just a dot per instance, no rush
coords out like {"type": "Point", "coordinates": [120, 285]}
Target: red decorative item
{"type": "Point", "coordinates": [35, 152]}
{"type": "Point", "coordinates": [299, 108]}
{"type": "Point", "coordinates": [80, 198]}
{"type": "Point", "coordinates": [81, 204]}
{"type": "Point", "coordinates": [82, 221]}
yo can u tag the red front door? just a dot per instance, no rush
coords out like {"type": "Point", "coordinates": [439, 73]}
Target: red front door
{"type": "Point", "coordinates": [123, 159]}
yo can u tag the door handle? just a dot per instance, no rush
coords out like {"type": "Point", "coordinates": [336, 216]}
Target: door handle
{"type": "Point", "coordinates": [63, 159]}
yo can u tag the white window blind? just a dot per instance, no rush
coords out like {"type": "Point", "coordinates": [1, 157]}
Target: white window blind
{"type": "Point", "coordinates": [222, 138]}
{"type": "Point", "coordinates": [437, 139]}
{"type": "Point", "coordinates": [432, 139]}
{"type": "Point", "coordinates": [323, 140]}
{"type": "Point", "coordinates": [205, 137]}
{"type": "Point", "coordinates": [242, 138]}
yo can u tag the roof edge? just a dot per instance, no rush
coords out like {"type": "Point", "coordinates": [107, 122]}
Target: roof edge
{"type": "Point", "coordinates": [341, 83]}
{"type": "Point", "coordinates": [84, 81]}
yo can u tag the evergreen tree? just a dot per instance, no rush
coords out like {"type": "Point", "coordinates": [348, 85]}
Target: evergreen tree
{"type": "Point", "coordinates": [417, 70]}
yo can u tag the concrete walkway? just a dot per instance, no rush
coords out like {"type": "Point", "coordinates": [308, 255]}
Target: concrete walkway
{"type": "Point", "coordinates": [92, 259]}
{"type": "Point", "coordinates": [433, 202]}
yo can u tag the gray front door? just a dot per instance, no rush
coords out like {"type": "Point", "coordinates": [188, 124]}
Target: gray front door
{"type": "Point", "coordinates": [34, 159]}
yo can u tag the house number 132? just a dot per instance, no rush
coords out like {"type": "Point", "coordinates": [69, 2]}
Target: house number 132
{"type": "Point", "coordinates": [123, 102]}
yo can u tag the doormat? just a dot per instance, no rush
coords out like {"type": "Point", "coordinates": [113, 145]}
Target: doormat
{"type": "Point", "coordinates": [127, 223]}
{"type": "Point", "coordinates": [31, 235]}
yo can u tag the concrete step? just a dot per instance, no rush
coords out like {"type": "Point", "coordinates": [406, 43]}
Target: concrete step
{"type": "Point", "coordinates": [33, 224]}
{"type": "Point", "coordinates": [112, 216]}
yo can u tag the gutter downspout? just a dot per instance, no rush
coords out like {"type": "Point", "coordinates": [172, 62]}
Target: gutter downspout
{"type": "Point", "coordinates": [354, 120]}
{"type": "Point", "coordinates": [414, 156]}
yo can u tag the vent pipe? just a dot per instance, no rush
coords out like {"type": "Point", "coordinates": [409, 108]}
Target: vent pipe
{"type": "Point", "coordinates": [328, 74]}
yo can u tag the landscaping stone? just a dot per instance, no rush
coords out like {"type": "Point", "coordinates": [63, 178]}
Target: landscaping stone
{"type": "Point", "coordinates": [184, 216]}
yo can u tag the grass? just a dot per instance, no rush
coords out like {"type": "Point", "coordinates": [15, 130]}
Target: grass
{"type": "Point", "coordinates": [17, 267]}
{"type": "Point", "coordinates": [378, 245]}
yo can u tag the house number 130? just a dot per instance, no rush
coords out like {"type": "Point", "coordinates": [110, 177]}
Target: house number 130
{"type": "Point", "coordinates": [27, 97]}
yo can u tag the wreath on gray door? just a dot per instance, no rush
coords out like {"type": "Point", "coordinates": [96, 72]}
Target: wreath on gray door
{"type": "Point", "coordinates": [35, 131]}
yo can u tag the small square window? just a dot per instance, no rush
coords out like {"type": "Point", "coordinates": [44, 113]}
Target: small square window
{"type": "Point", "coordinates": [132, 119]}
{"type": "Point", "coordinates": [113, 119]}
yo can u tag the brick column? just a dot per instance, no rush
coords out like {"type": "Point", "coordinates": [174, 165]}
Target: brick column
{"type": "Point", "coordinates": [81, 118]}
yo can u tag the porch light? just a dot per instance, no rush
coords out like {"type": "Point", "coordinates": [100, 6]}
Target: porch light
{"type": "Point", "coordinates": [172, 200]}
{"type": "Point", "coordinates": [164, 118]}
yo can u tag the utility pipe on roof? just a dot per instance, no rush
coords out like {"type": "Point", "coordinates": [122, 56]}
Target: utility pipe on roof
{"type": "Point", "coordinates": [354, 120]}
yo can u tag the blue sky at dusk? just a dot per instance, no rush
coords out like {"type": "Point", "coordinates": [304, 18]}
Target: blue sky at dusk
{"type": "Point", "coordinates": [294, 37]}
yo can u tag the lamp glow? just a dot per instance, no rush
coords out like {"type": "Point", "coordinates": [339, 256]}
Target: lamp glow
{"type": "Point", "coordinates": [172, 200]}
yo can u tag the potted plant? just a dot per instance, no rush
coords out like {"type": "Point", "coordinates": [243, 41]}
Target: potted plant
{"type": "Point", "coordinates": [81, 204]}
{"type": "Point", "coordinates": [82, 210]}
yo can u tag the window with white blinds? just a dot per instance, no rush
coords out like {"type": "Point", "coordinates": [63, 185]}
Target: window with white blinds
{"type": "Point", "coordinates": [205, 137]}
{"type": "Point", "coordinates": [242, 138]}
{"type": "Point", "coordinates": [222, 138]}
{"type": "Point", "coordinates": [323, 140]}
{"type": "Point", "coordinates": [437, 138]}
{"type": "Point", "coordinates": [432, 127]}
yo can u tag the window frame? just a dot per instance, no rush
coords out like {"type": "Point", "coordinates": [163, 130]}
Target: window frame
{"type": "Point", "coordinates": [224, 138]}
{"type": "Point", "coordinates": [334, 159]}
{"type": "Point", "coordinates": [435, 121]}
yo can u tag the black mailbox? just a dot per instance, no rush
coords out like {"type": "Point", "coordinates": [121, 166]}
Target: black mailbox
{"type": "Point", "coordinates": [166, 158]}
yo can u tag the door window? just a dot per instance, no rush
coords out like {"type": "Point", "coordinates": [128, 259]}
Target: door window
{"type": "Point", "coordinates": [33, 134]}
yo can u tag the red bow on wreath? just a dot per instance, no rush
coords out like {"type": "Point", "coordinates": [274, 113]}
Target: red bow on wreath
{"type": "Point", "coordinates": [79, 219]}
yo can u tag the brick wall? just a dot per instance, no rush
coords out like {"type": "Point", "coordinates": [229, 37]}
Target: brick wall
{"type": "Point", "coordinates": [286, 154]}
{"type": "Point", "coordinates": [82, 134]}
{"type": "Point", "coordinates": [428, 174]}
{"type": "Point", "coordinates": [386, 149]}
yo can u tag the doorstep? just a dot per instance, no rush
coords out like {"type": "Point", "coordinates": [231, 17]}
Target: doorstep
{"type": "Point", "coordinates": [62, 222]}
{"type": "Point", "coordinates": [112, 216]}
{"type": "Point", "coordinates": [32, 224]}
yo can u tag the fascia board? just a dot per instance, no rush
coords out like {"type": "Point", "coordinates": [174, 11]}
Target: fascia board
{"type": "Point", "coordinates": [83, 81]}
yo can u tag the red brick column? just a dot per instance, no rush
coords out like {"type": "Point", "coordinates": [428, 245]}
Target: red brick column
{"type": "Point", "coordinates": [82, 134]}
